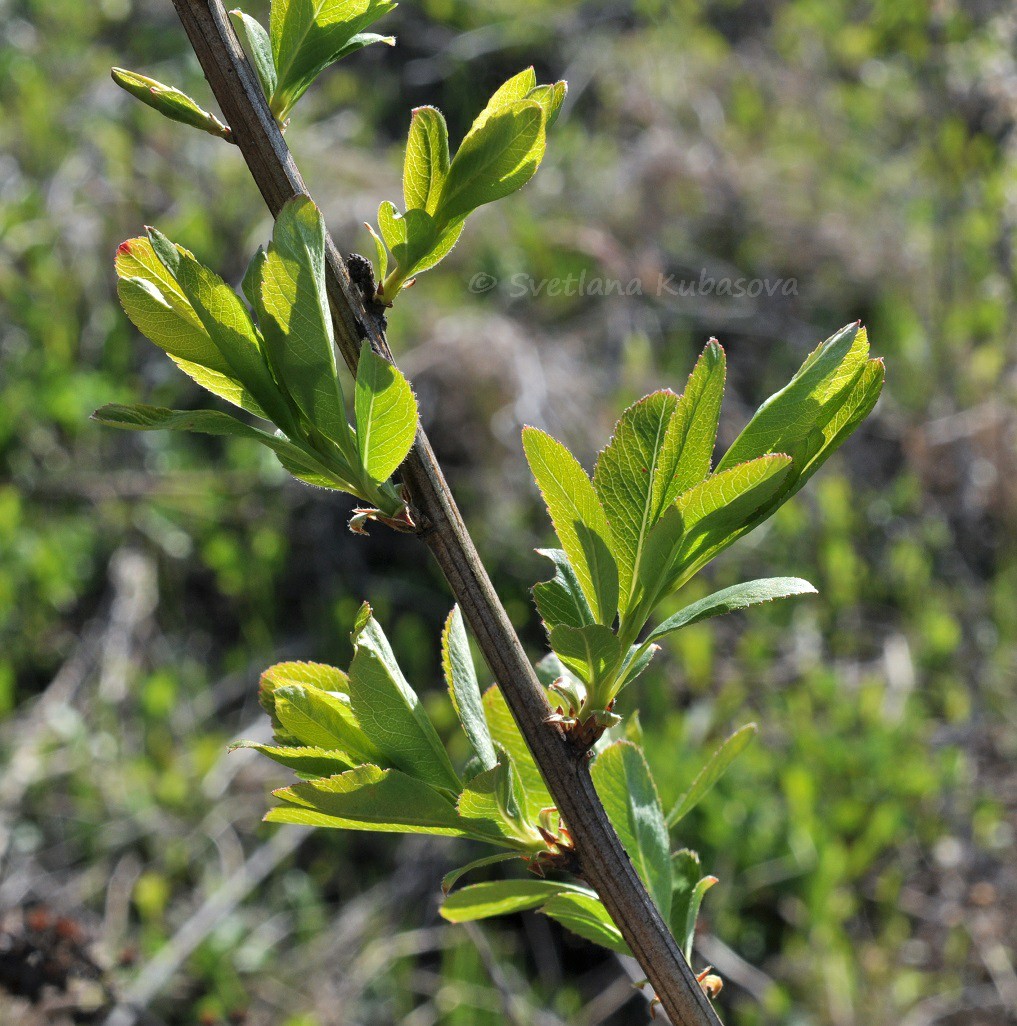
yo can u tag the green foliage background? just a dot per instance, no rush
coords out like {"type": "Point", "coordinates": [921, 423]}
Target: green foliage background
{"type": "Point", "coordinates": [864, 843]}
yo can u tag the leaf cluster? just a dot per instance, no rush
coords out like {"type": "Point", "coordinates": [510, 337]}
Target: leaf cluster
{"type": "Point", "coordinates": [276, 360]}
{"type": "Point", "coordinates": [369, 758]}
{"type": "Point", "coordinates": [304, 37]}
{"type": "Point", "coordinates": [499, 155]}
{"type": "Point", "coordinates": [656, 510]}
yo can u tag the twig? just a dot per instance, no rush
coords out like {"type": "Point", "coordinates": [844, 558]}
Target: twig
{"type": "Point", "coordinates": [604, 862]}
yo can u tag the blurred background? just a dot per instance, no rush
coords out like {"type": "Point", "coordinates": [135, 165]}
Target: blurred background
{"type": "Point", "coordinates": [861, 155]}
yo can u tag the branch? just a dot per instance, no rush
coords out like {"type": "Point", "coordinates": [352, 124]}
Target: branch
{"type": "Point", "coordinates": [603, 861]}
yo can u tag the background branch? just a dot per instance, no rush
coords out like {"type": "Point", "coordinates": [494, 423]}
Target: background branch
{"type": "Point", "coordinates": [604, 862]}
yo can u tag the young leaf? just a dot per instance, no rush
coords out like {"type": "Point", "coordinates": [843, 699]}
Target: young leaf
{"type": "Point", "coordinates": [158, 308]}
{"type": "Point", "coordinates": [386, 415]}
{"type": "Point", "coordinates": [550, 97]}
{"type": "Point", "coordinates": [624, 481]}
{"type": "Point", "coordinates": [389, 711]}
{"type": "Point", "coordinates": [739, 596]}
{"type": "Point", "coordinates": [727, 505]}
{"type": "Point", "coordinates": [502, 897]}
{"type": "Point", "coordinates": [833, 391]}
{"type": "Point", "coordinates": [692, 431]}
{"type": "Point", "coordinates": [206, 422]}
{"type": "Point", "coordinates": [369, 798]}
{"type": "Point", "coordinates": [316, 675]}
{"type": "Point", "coordinates": [427, 159]}
{"type": "Point", "coordinates": [229, 326]}
{"type": "Point", "coordinates": [561, 599]}
{"type": "Point", "coordinates": [461, 677]}
{"type": "Point", "coordinates": [788, 416]}
{"type": "Point", "coordinates": [578, 519]}
{"type": "Point", "coordinates": [260, 48]}
{"type": "Point", "coordinates": [712, 772]}
{"type": "Point", "coordinates": [590, 652]}
{"type": "Point", "coordinates": [495, 796]}
{"type": "Point", "coordinates": [505, 732]}
{"type": "Point", "coordinates": [494, 160]}
{"type": "Point", "coordinates": [169, 101]}
{"type": "Point", "coordinates": [307, 761]}
{"type": "Point", "coordinates": [630, 799]}
{"type": "Point", "coordinates": [689, 889]}
{"type": "Point", "coordinates": [585, 915]}
{"type": "Point", "coordinates": [309, 35]}
{"type": "Point", "coordinates": [322, 719]}
{"type": "Point", "coordinates": [296, 320]}
{"type": "Point", "coordinates": [518, 87]}
{"type": "Point", "coordinates": [449, 880]}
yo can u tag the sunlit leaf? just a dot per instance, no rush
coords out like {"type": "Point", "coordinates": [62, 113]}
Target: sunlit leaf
{"type": "Point", "coordinates": [369, 798]}
{"type": "Point", "coordinates": [389, 711]}
{"type": "Point", "coordinates": [461, 678]}
{"type": "Point", "coordinates": [427, 159]}
{"type": "Point", "coordinates": [578, 519]}
{"type": "Point", "coordinates": [501, 897]}
{"type": "Point", "coordinates": [738, 596]}
{"type": "Point", "coordinates": [386, 413]}
{"type": "Point", "coordinates": [309, 35]}
{"type": "Point", "coordinates": [561, 599]}
{"type": "Point", "coordinates": [708, 776]}
{"type": "Point", "coordinates": [585, 915]}
{"type": "Point", "coordinates": [630, 799]}
{"type": "Point", "coordinates": [260, 48]}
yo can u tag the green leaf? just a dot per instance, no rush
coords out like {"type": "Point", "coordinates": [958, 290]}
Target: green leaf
{"type": "Point", "coordinates": [427, 159]}
{"type": "Point", "coordinates": [738, 596]}
{"type": "Point", "coordinates": [712, 772]}
{"type": "Point", "coordinates": [561, 600]}
{"type": "Point", "coordinates": [727, 505]}
{"type": "Point", "coordinates": [229, 325]}
{"type": "Point", "coordinates": [461, 678]}
{"type": "Point", "coordinates": [297, 322]}
{"type": "Point", "coordinates": [416, 239]}
{"type": "Point", "coordinates": [585, 915]}
{"type": "Point", "coordinates": [449, 880]}
{"type": "Point", "coordinates": [692, 431]}
{"type": "Point", "coordinates": [207, 422]}
{"type": "Point", "coordinates": [496, 796]}
{"type": "Point", "coordinates": [494, 160]}
{"type": "Point", "coordinates": [386, 415]}
{"type": "Point", "coordinates": [157, 307]}
{"type": "Point", "coordinates": [506, 733]}
{"type": "Point", "coordinates": [833, 391]}
{"type": "Point", "coordinates": [307, 761]}
{"type": "Point", "coordinates": [517, 88]}
{"type": "Point", "coordinates": [260, 48]}
{"type": "Point", "coordinates": [578, 519]}
{"type": "Point", "coordinates": [591, 652]}
{"type": "Point", "coordinates": [370, 798]}
{"type": "Point", "coordinates": [689, 889]}
{"type": "Point", "coordinates": [502, 897]}
{"type": "Point", "coordinates": [169, 101]}
{"type": "Point", "coordinates": [623, 781]}
{"type": "Point", "coordinates": [322, 719]}
{"type": "Point", "coordinates": [624, 481]}
{"type": "Point", "coordinates": [787, 417]}
{"type": "Point", "coordinates": [309, 35]}
{"type": "Point", "coordinates": [389, 711]}
{"type": "Point", "coordinates": [316, 675]}
{"type": "Point", "coordinates": [550, 97]}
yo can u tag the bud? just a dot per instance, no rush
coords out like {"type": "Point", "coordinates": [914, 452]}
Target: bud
{"type": "Point", "coordinates": [170, 102]}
